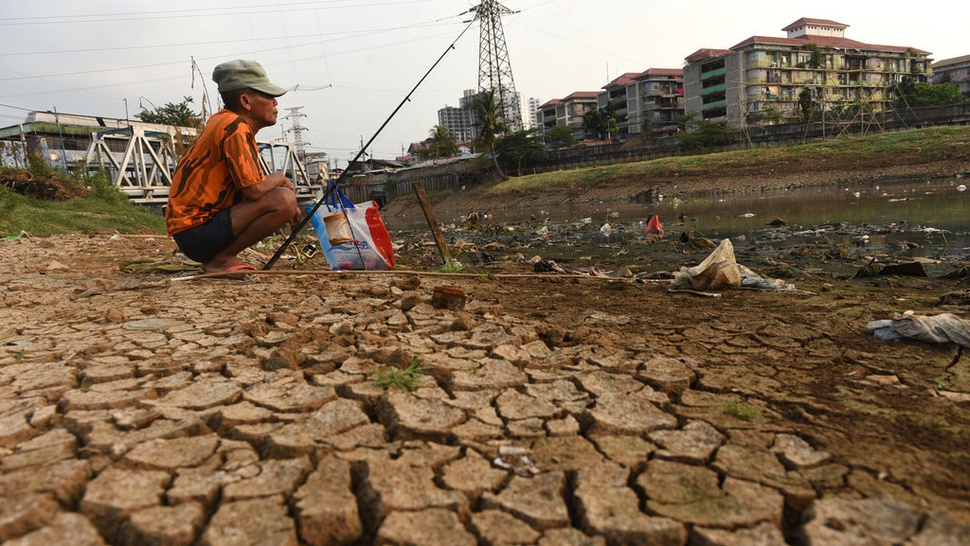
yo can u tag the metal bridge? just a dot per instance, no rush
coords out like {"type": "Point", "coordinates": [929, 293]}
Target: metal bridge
{"type": "Point", "coordinates": [141, 164]}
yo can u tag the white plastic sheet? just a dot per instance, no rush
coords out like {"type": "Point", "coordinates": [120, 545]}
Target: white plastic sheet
{"type": "Point", "coordinates": [943, 328]}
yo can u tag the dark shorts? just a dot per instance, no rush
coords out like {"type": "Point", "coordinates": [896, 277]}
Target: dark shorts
{"type": "Point", "coordinates": [202, 243]}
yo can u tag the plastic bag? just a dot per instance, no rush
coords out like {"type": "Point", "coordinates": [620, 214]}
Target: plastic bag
{"type": "Point", "coordinates": [718, 270]}
{"type": "Point", "coordinates": [352, 236]}
{"type": "Point", "coordinates": [943, 328]}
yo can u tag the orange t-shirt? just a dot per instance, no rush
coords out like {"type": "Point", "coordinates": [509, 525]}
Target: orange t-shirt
{"type": "Point", "coordinates": [210, 176]}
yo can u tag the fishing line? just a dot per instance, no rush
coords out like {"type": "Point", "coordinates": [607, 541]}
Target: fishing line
{"type": "Point", "coordinates": [336, 183]}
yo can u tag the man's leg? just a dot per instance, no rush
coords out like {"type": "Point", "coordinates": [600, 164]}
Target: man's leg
{"type": "Point", "coordinates": [253, 221]}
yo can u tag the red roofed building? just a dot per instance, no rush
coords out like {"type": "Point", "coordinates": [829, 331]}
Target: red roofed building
{"type": "Point", "coordinates": [760, 79]}
{"type": "Point", "coordinates": [655, 95]}
{"type": "Point", "coordinates": [569, 111]}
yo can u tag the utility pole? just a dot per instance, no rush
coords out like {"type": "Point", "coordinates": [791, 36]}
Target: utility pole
{"type": "Point", "coordinates": [297, 131]}
{"type": "Point", "coordinates": [494, 67]}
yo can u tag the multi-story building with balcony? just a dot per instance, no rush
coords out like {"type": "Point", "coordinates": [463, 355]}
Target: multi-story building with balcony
{"type": "Point", "coordinates": [761, 79]}
{"type": "Point", "coordinates": [569, 111]}
{"type": "Point", "coordinates": [655, 95]}
{"type": "Point", "coordinates": [660, 101]}
{"type": "Point", "coordinates": [620, 92]}
{"type": "Point", "coordinates": [955, 71]}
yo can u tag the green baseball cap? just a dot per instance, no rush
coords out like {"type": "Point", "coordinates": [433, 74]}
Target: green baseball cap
{"type": "Point", "coordinates": [243, 74]}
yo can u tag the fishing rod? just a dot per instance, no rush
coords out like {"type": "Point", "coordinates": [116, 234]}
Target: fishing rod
{"type": "Point", "coordinates": [333, 186]}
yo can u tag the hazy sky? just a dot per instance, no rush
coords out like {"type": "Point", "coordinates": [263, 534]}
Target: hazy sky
{"type": "Point", "coordinates": [91, 56]}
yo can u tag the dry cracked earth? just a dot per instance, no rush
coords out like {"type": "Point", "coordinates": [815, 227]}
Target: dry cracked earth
{"type": "Point", "coordinates": [347, 409]}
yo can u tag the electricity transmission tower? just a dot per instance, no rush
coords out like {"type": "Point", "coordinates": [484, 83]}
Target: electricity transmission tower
{"type": "Point", "coordinates": [494, 67]}
{"type": "Point", "coordinates": [297, 131]}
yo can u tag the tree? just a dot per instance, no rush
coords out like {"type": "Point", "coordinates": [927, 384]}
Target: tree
{"type": "Point", "coordinates": [440, 143]}
{"type": "Point", "coordinates": [519, 149]}
{"type": "Point", "coordinates": [601, 123]}
{"type": "Point", "coordinates": [701, 133]}
{"type": "Point", "coordinates": [489, 124]}
{"type": "Point", "coordinates": [806, 104]}
{"type": "Point", "coordinates": [560, 136]}
{"type": "Point", "coordinates": [928, 94]}
{"type": "Point", "coordinates": [179, 114]}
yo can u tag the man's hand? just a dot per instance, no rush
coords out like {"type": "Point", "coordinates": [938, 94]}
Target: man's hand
{"type": "Point", "coordinates": [272, 181]}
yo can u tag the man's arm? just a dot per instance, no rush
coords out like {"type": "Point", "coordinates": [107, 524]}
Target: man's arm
{"type": "Point", "coordinates": [273, 180]}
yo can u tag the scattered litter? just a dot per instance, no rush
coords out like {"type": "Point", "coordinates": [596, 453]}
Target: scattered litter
{"type": "Point", "coordinates": [912, 269]}
{"type": "Point", "coordinates": [606, 230]}
{"type": "Point", "coordinates": [692, 238]}
{"type": "Point", "coordinates": [448, 298]}
{"type": "Point", "coordinates": [516, 459]}
{"type": "Point", "coordinates": [746, 215]}
{"type": "Point", "coordinates": [943, 328]}
{"type": "Point", "coordinates": [962, 187]}
{"type": "Point", "coordinates": [750, 279]}
{"type": "Point", "coordinates": [653, 226]}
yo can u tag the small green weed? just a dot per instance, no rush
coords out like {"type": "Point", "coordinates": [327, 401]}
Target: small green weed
{"type": "Point", "coordinates": [453, 267]}
{"type": "Point", "coordinates": [20, 354]}
{"type": "Point", "coordinates": [404, 378]}
{"type": "Point", "coordinates": [741, 409]}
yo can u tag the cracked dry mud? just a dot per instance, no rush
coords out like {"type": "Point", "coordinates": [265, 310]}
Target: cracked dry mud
{"type": "Point", "coordinates": [136, 410]}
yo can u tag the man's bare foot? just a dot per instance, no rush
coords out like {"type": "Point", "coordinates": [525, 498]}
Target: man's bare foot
{"type": "Point", "coordinates": [220, 264]}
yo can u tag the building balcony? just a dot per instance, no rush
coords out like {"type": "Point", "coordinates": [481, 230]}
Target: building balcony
{"type": "Point", "coordinates": [721, 87]}
{"type": "Point", "coordinates": [713, 73]}
{"type": "Point", "coordinates": [712, 105]}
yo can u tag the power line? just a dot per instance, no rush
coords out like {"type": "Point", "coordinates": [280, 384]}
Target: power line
{"type": "Point", "coordinates": [352, 33]}
{"type": "Point", "coordinates": [170, 63]}
{"type": "Point", "coordinates": [175, 14]}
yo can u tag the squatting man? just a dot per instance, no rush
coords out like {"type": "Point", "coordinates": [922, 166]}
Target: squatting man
{"type": "Point", "coordinates": [220, 203]}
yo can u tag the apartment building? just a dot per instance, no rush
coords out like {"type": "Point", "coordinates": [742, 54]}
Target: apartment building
{"type": "Point", "coordinates": [655, 95]}
{"type": "Point", "coordinates": [760, 79]}
{"type": "Point", "coordinates": [955, 71]}
{"type": "Point", "coordinates": [568, 111]}
{"type": "Point", "coordinates": [460, 122]}
{"type": "Point", "coordinates": [620, 93]}
{"type": "Point", "coordinates": [531, 119]}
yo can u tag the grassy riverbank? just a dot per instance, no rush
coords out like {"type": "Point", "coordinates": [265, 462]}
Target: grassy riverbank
{"type": "Point", "coordinates": [51, 203]}
{"type": "Point", "coordinates": [857, 155]}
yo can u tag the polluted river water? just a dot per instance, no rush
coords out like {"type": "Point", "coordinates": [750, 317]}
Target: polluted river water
{"type": "Point", "coordinates": [933, 216]}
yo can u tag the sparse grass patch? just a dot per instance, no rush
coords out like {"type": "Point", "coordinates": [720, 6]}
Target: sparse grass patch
{"type": "Point", "coordinates": [452, 267]}
{"type": "Point", "coordinates": [741, 409]}
{"type": "Point", "coordinates": [398, 377]}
